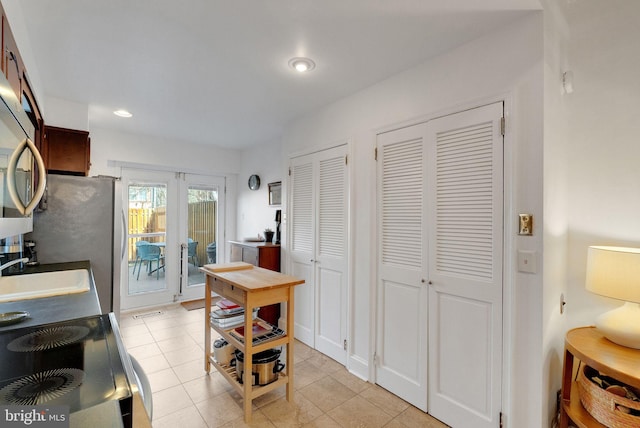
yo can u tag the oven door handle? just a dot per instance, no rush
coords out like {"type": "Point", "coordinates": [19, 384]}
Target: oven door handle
{"type": "Point", "coordinates": [11, 177]}
{"type": "Point", "coordinates": [144, 387]}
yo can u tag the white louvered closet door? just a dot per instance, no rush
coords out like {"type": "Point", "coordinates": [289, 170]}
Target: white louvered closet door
{"type": "Point", "coordinates": [302, 220]}
{"type": "Point", "coordinates": [465, 267]}
{"type": "Point", "coordinates": [319, 249]}
{"type": "Point", "coordinates": [331, 255]}
{"type": "Point", "coordinates": [401, 350]}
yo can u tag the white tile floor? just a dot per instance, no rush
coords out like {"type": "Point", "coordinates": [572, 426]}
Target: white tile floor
{"type": "Point", "coordinates": [170, 349]}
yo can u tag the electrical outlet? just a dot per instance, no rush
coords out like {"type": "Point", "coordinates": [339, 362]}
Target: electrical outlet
{"type": "Point", "coordinates": [526, 224]}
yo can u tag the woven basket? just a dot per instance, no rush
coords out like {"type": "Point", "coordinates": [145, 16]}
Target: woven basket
{"type": "Point", "coordinates": [604, 406]}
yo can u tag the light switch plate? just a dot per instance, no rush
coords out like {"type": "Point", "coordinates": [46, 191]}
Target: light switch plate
{"type": "Point", "coordinates": [526, 224]}
{"type": "Point", "coordinates": [527, 261]}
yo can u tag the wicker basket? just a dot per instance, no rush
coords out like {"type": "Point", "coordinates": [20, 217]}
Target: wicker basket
{"type": "Point", "coordinates": [605, 407]}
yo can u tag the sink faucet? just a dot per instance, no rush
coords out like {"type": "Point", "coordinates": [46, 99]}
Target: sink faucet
{"type": "Point", "coordinates": [13, 262]}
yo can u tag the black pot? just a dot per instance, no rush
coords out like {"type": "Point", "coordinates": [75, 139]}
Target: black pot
{"type": "Point", "coordinates": [265, 367]}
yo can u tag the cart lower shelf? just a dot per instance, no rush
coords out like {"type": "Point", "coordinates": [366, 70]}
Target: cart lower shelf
{"type": "Point", "coordinates": [229, 373]}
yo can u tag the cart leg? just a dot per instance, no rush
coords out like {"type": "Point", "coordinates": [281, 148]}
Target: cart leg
{"type": "Point", "coordinates": [207, 328]}
{"type": "Point", "coordinates": [290, 345]}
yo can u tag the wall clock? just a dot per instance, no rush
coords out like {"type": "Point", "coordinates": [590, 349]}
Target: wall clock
{"type": "Point", "coordinates": [254, 182]}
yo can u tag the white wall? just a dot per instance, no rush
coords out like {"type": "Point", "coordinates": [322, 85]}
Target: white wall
{"type": "Point", "coordinates": [556, 205]}
{"type": "Point", "coordinates": [254, 212]}
{"type": "Point", "coordinates": [66, 114]}
{"type": "Point", "coordinates": [604, 129]}
{"type": "Point", "coordinates": [591, 158]}
{"type": "Point", "coordinates": [110, 148]}
{"type": "Point", "coordinates": [507, 63]}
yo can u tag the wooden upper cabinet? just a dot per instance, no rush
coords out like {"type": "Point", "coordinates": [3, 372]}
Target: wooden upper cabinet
{"type": "Point", "coordinates": [68, 151]}
{"type": "Point", "coordinates": [12, 64]}
{"type": "Point", "coordinates": [64, 151]}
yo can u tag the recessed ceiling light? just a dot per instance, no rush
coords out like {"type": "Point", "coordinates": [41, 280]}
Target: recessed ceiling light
{"type": "Point", "coordinates": [302, 64]}
{"type": "Point", "coordinates": [122, 113]}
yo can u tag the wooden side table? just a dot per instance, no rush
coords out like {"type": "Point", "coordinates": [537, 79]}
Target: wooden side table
{"type": "Point", "coordinates": [590, 347]}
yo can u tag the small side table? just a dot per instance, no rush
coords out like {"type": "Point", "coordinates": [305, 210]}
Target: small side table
{"type": "Point", "coordinates": [589, 346]}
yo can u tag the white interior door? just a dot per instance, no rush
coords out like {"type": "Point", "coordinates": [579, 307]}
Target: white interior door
{"type": "Point", "coordinates": [465, 267]}
{"type": "Point", "coordinates": [201, 197]}
{"type": "Point", "coordinates": [401, 350]}
{"type": "Point", "coordinates": [331, 259]}
{"type": "Point", "coordinates": [302, 220]}
{"type": "Point", "coordinates": [319, 249]}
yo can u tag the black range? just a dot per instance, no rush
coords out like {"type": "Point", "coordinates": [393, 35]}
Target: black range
{"type": "Point", "coordinates": [76, 363]}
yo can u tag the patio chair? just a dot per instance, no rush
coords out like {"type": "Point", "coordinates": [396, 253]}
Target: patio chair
{"type": "Point", "coordinates": [148, 253]}
{"type": "Point", "coordinates": [192, 252]}
{"type": "Point", "coordinates": [138, 261]}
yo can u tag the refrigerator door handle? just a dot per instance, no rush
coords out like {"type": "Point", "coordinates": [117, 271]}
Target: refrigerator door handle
{"type": "Point", "coordinates": [11, 177]}
{"type": "Point", "coordinates": [123, 245]}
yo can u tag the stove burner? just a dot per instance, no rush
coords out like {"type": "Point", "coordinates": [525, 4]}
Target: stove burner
{"type": "Point", "coordinates": [48, 338]}
{"type": "Point", "coordinates": [41, 387]}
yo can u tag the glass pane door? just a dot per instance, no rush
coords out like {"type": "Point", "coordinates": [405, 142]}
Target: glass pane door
{"type": "Point", "coordinates": [147, 236]}
{"type": "Point", "coordinates": [201, 205]}
{"type": "Point", "coordinates": [147, 273]}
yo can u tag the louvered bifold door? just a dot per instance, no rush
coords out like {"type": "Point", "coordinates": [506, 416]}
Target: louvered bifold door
{"type": "Point", "coordinates": [465, 267]}
{"type": "Point", "coordinates": [401, 345]}
{"type": "Point", "coordinates": [331, 254]}
{"type": "Point", "coordinates": [302, 229]}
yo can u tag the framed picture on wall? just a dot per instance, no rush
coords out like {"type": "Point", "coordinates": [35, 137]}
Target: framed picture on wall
{"type": "Point", "coordinates": [275, 193]}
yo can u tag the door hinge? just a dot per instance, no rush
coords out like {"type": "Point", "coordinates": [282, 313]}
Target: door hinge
{"type": "Point", "coordinates": [502, 125]}
{"type": "Point", "coordinates": [375, 154]}
{"type": "Point", "coordinates": [375, 359]}
{"type": "Point", "coordinates": [344, 345]}
{"type": "Point", "coordinates": [501, 420]}
{"type": "Point", "coordinates": [346, 159]}
{"type": "Point", "coordinates": [289, 171]}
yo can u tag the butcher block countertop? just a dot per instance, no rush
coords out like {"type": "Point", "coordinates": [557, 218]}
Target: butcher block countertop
{"type": "Point", "coordinates": [250, 278]}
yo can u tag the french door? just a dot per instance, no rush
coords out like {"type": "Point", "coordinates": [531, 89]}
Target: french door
{"type": "Point", "coordinates": [201, 220]}
{"type": "Point", "coordinates": [172, 221]}
{"type": "Point", "coordinates": [440, 221]}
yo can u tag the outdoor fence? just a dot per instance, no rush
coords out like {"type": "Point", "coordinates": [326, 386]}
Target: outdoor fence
{"type": "Point", "coordinates": [201, 227]}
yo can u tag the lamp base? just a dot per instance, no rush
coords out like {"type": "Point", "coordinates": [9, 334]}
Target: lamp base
{"type": "Point", "coordinates": [621, 325]}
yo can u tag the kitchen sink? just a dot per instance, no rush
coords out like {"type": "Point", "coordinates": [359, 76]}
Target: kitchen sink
{"type": "Point", "coordinates": [43, 284]}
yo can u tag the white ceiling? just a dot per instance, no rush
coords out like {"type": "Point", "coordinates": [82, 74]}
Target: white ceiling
{"type": "Point", "coordinates": [215, 71]}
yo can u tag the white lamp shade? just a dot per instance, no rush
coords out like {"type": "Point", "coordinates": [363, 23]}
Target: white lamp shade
{"type": "Point", "coordinates": [614, 272]}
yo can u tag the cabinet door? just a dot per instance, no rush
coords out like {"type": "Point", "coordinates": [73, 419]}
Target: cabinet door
{"type": "Point", "coordinates": [13, 65]}
{"type": "Point", "coordinates": [269, 257]}
{"type": "Point", "coordinates": [69, 150]}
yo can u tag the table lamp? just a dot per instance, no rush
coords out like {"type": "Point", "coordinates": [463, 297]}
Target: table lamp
{"type": "Point", "coordinates": [615, 272]}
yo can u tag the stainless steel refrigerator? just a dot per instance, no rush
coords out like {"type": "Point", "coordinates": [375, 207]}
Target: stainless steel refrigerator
{"type": "Point", "coordinates": [80, 219]}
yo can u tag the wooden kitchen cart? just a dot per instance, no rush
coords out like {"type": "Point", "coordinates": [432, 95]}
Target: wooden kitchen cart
{"type": "Point", "coordinates": [590, 347]}
{"type": "Point", "coordinates": [250, 287]}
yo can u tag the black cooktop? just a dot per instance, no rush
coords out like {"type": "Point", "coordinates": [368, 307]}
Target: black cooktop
{"type": "Point", "coordinates": [75, 363]}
